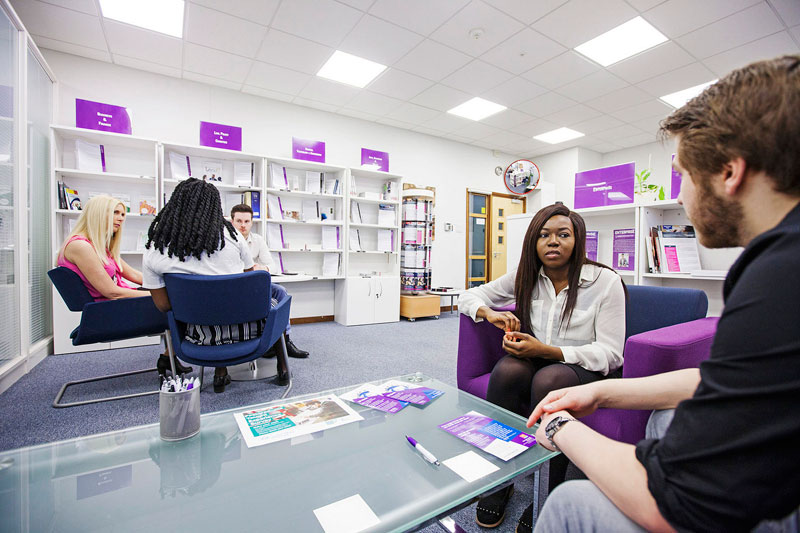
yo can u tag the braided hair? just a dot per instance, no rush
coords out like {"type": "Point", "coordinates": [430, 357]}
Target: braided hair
{"type": "Point", "coordinates": [191, 223]}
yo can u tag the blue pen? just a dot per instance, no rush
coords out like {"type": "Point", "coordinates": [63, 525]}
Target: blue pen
{"type": "Point", "coordinates": [428, 456]}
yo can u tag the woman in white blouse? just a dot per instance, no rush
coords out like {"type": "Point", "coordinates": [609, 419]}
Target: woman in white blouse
{"type": "Point", "coordinates": [557, 337]}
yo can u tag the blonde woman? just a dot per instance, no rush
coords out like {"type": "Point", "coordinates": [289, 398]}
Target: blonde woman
{"type": "Point", "coordinates": [92, 251]}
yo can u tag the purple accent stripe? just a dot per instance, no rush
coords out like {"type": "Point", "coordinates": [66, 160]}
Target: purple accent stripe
{"type": "Point", "coordinates": [189, 166]}
{"type": "Point", "coordinates": [285, 180]}
{"type": "Point", "coordinates": [280, 258]}
{"type": "Point", "coordinates": [103, 156]}
{"type": "Point", "coordinates": [280, 206]}
{"type": "Point", "coordinates": [283, 243]}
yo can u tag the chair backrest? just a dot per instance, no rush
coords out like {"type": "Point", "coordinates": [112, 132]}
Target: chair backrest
{"type": "Point", "coordinates": [218, 300]}
{"type": "Point", "coordinates": [650, 308]}
{"type": "Point", "coordinates": [71, 288]}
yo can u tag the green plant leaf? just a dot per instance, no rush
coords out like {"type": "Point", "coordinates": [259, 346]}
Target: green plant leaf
{"type": "Point", "coordinates": [661, 195]}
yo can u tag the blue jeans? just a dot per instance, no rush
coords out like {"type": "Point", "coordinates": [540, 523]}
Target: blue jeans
{"type": "Point", "coordinates": [279, 294]}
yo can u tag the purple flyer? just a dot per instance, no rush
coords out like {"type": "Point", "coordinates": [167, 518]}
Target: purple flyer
{"type": "Point", "coordinates": [605, 186]}
{"type": "Point", "coordinates": [623, 252]}
{"type": "Point", "coordinates": [220, 136]}
{"type": "Point", "coordinates": [591, 245]}
{"type": "Point", "coordinates": [308, 150]}
{"type": "Point", "coordinates": [675, 184]}
{"type": "Point", "coordinates": [489, 435]}
{"type": "Point", "coordinates": [104, 117]}
{"type": "Point", "coordinates": [375, 159]}
{"type": "Point", "coordinates": [381, 403]}
{"type": "Point", "coordinates": [419, 396]}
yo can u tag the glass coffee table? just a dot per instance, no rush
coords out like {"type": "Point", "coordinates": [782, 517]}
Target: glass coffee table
{"type": "Point", "coordinates": [131, 480]}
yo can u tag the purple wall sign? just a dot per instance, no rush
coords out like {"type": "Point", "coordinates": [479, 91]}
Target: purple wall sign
{"type": "Point", "coordinates": [591, 245]}
{"type": "Point", "coordinates": [104, 117]}
{"type": "Point", "coordinates": [623, 249]}
{"type": "Point", "coordinates": [220, 136]}
{"type": "Point", "coordinates": [675, 185]}
{"type": "Point", "coordinates": [374, 158]}
{"type": "Point", "coordinates": [605, 186]}
{"type": "Point", "coordinates": [308, 150]}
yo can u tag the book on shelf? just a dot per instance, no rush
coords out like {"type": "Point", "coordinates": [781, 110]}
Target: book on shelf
{"type": "Point", "coordinates": [355, 241]}
{"type": "Point", "coordinates": [652, 256]}
{"type": "Point", "coordinates": [125, 199]}
{"type": "Point", "coordinates": [330, 238]}
{"type": "Point", "coordinates": [313, 182]}
{"type": "Point", "coordinates": [179, 165]}
{"type": "Point", "coordinates": [310, 210]}
{"type": "Point", "coordinates": [355, 212]}
{"type": "Point", "coordinates": [678, 247]}
{"type": "Point", "coordinates": [386, 215]}
{"type": "Point", "coordinates": [330, 185]}
{"type": "Point", "coordinates": [275, 237]}
{"type": "Point", "coordinates": [212, 170]}
{"type": "Point", "coordinates": [278, 177]}
{"type": "Point", "coordinates": [62, 197]}
{"type": "Point", "coordinates": [591, 245]}
{"type": "Point", "coordinates": [623, 249]}
{"type": "Point", "coordinates": [253, 199]}
{"type": "Point", "coordinates": [243, 172]}
{"type": "Point", "coordinates": [385, 240]}
{"type": "Point", "coordinates": [274, 208]}
{"type": "Point", "coordinates": [147, 205]}
{"type": "Point", "coordinates": [73, 200]}
{"type": "Point", "coordinates": [389, 190]}
{"type": "Point", "coordinates": [89, 156]}
{"type": "Point", "coordinates": [330, 264]}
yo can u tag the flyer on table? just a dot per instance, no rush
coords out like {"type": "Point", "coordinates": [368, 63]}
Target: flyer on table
{"type": "Point", "coordinates": [489, 435]}
{"type": "Point", "coordinates": [391, 396]}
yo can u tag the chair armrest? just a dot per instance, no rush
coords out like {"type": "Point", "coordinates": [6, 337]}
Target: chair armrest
{"type": "Point", "coordinates": [277, 321]}
{"type": "Point", "coordinates": [480, 346]}
{"type": "Point", "coordinates": [113, 320]}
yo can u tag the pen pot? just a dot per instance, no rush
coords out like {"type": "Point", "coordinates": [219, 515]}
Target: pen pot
{"type": "Point", "coordinates": [179, 414]}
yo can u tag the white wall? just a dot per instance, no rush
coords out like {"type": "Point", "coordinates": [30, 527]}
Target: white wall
{"type": "Point", "coordinates": [655, 156]}
{"type": "Point", "coordinates": [170, 109]}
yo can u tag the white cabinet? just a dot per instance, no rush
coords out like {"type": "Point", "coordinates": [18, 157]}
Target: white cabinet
{"type": "Point", "coordinates": [368, 300]}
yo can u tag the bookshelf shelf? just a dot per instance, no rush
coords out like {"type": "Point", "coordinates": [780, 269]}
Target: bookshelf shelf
{"type": "Point", "coordinates": [361, 199]}
{"type": "Point", "coordinates": [684, 276]}
{"type": "Point", "coordinates": [305, 222]}
{"type": "Point", "coordinates": [105, 176]}
{"type": "Point", "coordinates": [373, 252]}
{"type": "Point", "coordinates": [302, 251]}
{"type": "Point", "coordinates": [303, 194]}
{"type": "Point", "coordinates": [372, 226]}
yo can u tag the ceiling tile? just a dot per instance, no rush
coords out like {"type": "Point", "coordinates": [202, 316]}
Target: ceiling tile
{"type": "Point", "coordinates": [258, 11]}
{"type": "Point", "coordinates": [224, 32]}
{"type": "Point", "coordinates": [620, 132]}
{"type": "Point", "coordinates": [505, 138]}
{"type": "Point", "coordinates": [788, 10]}
{"type": "Point", "coordinates": [592, 86]}
{"type": "Point", "coordinates": [266, 93]}
{"type": "Point", "coordinates": [457, 138]}
{"type": "Point", "coordinates": [513, 92]}
{"type": "Point", "coordinates": [775, 45]}
{"type": "Point", "coordinates": [357, 114]}
{"type": "Point", "coordinates": [644, 5]}
{"type": "Point", "coordinates": [215, 63]}
{"type": "Point", "coordinates": [362, 5]}
{"type": "Point", "coordinates": [496, 26]}
{"type": "Point", "coordinates": [148, 66]}
{"type": "Point", "coordinates": [61, 24]}
{"type": "Point", "coordinates": [534, 127]}
{"type": "Point", "coordinates": [649, 125]}
{"type": "Point", "coordinates": [637, 140]}
{"type": "Point", "coordinates": [526, 146]}
{"type": "Point", "coordinates": [561, 70]}
{"type": "Point", "coordinates": [275, 78]}
{"type": "Point", "coordinates": [322, 21]}
{"type": "Point", "coordinates": [293, 52]}
{"type": "Point", "coordinates": [545, 104]}
{"type": "Point", "coordinates": [604, 147]}
{"type": "Point", "coordinates": [578, 21]}
{"type": "Point", "coordinates": [476, 130]}
{"type": "Point", "coordinates": [620, 99]}
{"type": "Point", "coordinates": [523, 51]}
{"type": "Point", "coordinates": [507, 119]}
{"type": "Point", "coordinates": [373, 103]}
{"type": "Point", "coordinates": [211, 80]}
{"type": "Point", "coordinates": [429, 131]}
{"type": "Point", "coordinates": [441, 98]}
{"type": "Point", "coordinates": [476, 77]}
{"type": "Point", "coordinates": [421, 16]}
{"type": "Point", "coordinates": [677, 80]}
{"type": "Point", "coordinates": [432, 60]}
{"type": "Point", "coordinates": [379, 41]}
{"type": "Point", "coordinates": [396, 123]}
{"type": "Point", "coordinates": [84, 6]}
{"type": "Point", "coordinates": [329, 92]}
{"type": "Point", "coordinates": [314, 104]}
{"type": "Point", "coordinates": [596, 125]}
{"type": "Point", "coordinates": [133, 42]}
{"type": "Point", "coordinates": [678, 17]}
{"type": "Point", "coordinates": [399, 84]}
{"type": "Point", "coordinates": [74, 49]}
{"type": "Point", "coordinates": [447, 122]}
{"type": "Point", "coordinates": [748, 25]}
{"type": "Point", "coordinates": [413, 113]}
{"type": "Point", "coordinates": [571, 115]}
{"type": "Point", "coordinates": [663, 58]}
{"type": "Point", "coordinates": [652, 108]}
{"type": "Point", "coordinates": [524, 10]}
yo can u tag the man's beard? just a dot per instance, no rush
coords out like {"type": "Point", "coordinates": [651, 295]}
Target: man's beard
{"type": "Point", "coordinates": [718, 222]}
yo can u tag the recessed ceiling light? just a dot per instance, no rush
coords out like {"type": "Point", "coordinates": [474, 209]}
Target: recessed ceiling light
{"type": "Point", "coordinates": [677, 99]}
{"type": "Point", "coordinates": [477, 109]}
{"type": "Point", "coordinates": [559, 136]}
{"type": "Point", "coordinates": [628, 39]}
{"type": "Point", "coordinates": [350, 69]}
{"type": "Point", "coordinates": [163, 16]}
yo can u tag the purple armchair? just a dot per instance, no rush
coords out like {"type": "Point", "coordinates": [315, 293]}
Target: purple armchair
{"type": "Point", "coordinates": [665, 331]}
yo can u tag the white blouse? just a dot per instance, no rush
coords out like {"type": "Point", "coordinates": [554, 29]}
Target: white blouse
{"type": "Point", "coordinates": [595, 336]}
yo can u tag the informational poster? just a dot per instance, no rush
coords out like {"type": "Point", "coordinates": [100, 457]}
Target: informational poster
{"type": "Point", "coordinates": [605, 186]}
{"type": "Point", "coordinates": [220, 136]}
{"type": "Point", "coordinates": [374, 160]}
{"type": "Point", "coordinates": [623, 251]}
{"type": "Point", "coordinates": [591, 245]}
{"type": "Point", "coordinates": [308, 150]}
{"type": "Point", "coordinates": [103, 117]}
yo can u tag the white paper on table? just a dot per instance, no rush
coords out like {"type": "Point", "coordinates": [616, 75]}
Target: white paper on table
{"type": "Point", "coordinates": [329, 238]}
{"type": "Point", "coordinates": [312, 182]}
{"type": "Point", "coordinates": [243, 173]}
{"type": "Point", "coordinates": [274, 206]}
{"type": "Point", "coordinates": [349, 515]}
{"type": "Point", "coordinates": [470, 466]}
{"type": "Point", "coordinates": [386, 215]}
{"type": "Point", "coordinates": [385, 240]}
{"type": "Point", "coordinates": [274, 237]}
{"type": "Point", "coordinates": [178, 166]}
{"type": "Point", "coordinates": [330, 264]}
{"type": "Point", "coordinates": [355, 240]}
{"type": "Point", "coordinates": [278, 177]}
{"type": "Point", "coordinates": [87, 156]}
{"type": "Point", "coordinates": [310, 210]}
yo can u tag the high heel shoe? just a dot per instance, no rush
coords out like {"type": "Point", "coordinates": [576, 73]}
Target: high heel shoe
{"type": "Point", "coordinates": [163, 366]}
{"type": "Point", "coordinates": [220, 382]}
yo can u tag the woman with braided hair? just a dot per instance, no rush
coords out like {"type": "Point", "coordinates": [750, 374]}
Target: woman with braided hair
{"type": "Point", "coordinates": [191, 236]}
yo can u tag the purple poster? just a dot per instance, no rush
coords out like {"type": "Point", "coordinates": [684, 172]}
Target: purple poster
{"type": "Point", "coordinates": [220, 136]}
{"type": "Point", "coordinates": [104, 117]}
{"type": "Point", "coordinates": [375, 159]}
{"type": "Point", "coordinates": [623, 252]}
{"type": "Point", "coordinates": [605, 186]}
{"type": "Point", "coordinates": [308, 150]}
{"type": "Point", "coordinates": [675, 185]}
{"type": "Point", "coordinates": [591, 245]}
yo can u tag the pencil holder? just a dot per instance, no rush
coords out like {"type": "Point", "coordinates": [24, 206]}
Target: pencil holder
{"type": "Point", "coordinates": [179, 414]}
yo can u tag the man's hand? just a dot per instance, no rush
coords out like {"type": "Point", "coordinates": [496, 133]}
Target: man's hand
{"type": "Point", "coordinates": [505, 320]}
{"type": "Point", "coordinates": [541, 436]}
{"type": "Point", "coordinates": [256, 266]}
{"type": "Point", "coordinates": [579, 401]}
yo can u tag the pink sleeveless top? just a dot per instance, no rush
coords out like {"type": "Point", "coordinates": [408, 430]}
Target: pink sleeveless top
{"type": "Point", "coordinates": [112, 269]}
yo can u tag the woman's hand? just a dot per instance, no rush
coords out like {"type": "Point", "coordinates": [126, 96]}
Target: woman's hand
{"type": "Point", "coordinates": [524, 345]}
{"type": "Point", "coordinates": [505, 320]}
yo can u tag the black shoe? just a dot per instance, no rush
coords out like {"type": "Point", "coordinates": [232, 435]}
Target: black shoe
{"type": "Point", "coordinates": [491, 509]}
{"type": "Point", "coordinates": [272, 352]}
{"type": "Point", "coordinates": [163, 366]}
{"type": "Point", "coordinates": [283, 377]}
{"type": "Point", "coordinates": [220, 382]}
{"type": "Point", "coordinates": [525, 523]}
{"type": "Point", "coordinates": [294, 351]}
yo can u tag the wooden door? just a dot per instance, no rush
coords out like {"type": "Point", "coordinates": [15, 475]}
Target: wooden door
{"type": "Point", "coordinates": [502, 206]}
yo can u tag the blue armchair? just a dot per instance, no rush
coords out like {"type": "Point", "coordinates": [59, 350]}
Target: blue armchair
{"type": "Point", "coordinates": [105, 321]}
{"type": "Point", "coordinates": [223, 300]}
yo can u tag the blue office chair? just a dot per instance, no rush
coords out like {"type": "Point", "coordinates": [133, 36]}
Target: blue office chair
{"type": "Point", "coordinates": [105, 321]}
{"type": "Point", "coordinates": [223, 300]}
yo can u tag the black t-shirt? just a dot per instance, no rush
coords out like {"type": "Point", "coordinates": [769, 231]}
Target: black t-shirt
{"type": "Point", "coordinates": [731, 456]}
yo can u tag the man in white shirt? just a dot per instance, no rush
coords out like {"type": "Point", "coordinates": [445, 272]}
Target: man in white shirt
{"type": "Point", "coordinates": [242, 219]}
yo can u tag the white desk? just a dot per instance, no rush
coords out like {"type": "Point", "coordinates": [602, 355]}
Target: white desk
{"type": "Point", "coordinates": [455, 293]}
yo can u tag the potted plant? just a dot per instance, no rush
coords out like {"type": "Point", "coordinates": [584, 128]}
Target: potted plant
{"type": "Point", "coordinates": [648, 192]}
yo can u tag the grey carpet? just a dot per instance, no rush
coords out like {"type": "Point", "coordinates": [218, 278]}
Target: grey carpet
{"type": "Point", "coordinates": [340, 356]}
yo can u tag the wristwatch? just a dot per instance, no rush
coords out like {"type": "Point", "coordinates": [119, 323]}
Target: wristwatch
{"type": "Point", "coordinates": [553, 426]}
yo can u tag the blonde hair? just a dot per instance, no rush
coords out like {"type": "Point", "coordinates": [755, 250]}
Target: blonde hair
{"type": "Point", "coordinates": [96, 223]}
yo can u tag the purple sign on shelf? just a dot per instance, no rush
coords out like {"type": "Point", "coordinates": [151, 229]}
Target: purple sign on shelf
{"type": "Point", "coordinates": [605, 186]}
{"type": "Point", "coordinates": [308, 150]}
{"type": "Point", "coordinates": [675, 184]}
{"type": "Point", "coordinates": [375, 159]}
{"type": "Point", "coordinates": [104, 117]}
{"type": "Point", "coordinates": [591, 245]}
{"type": "Point", "coordinates": [220, 136]}
{"type": "Point", "coordinates": [623, 249]}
